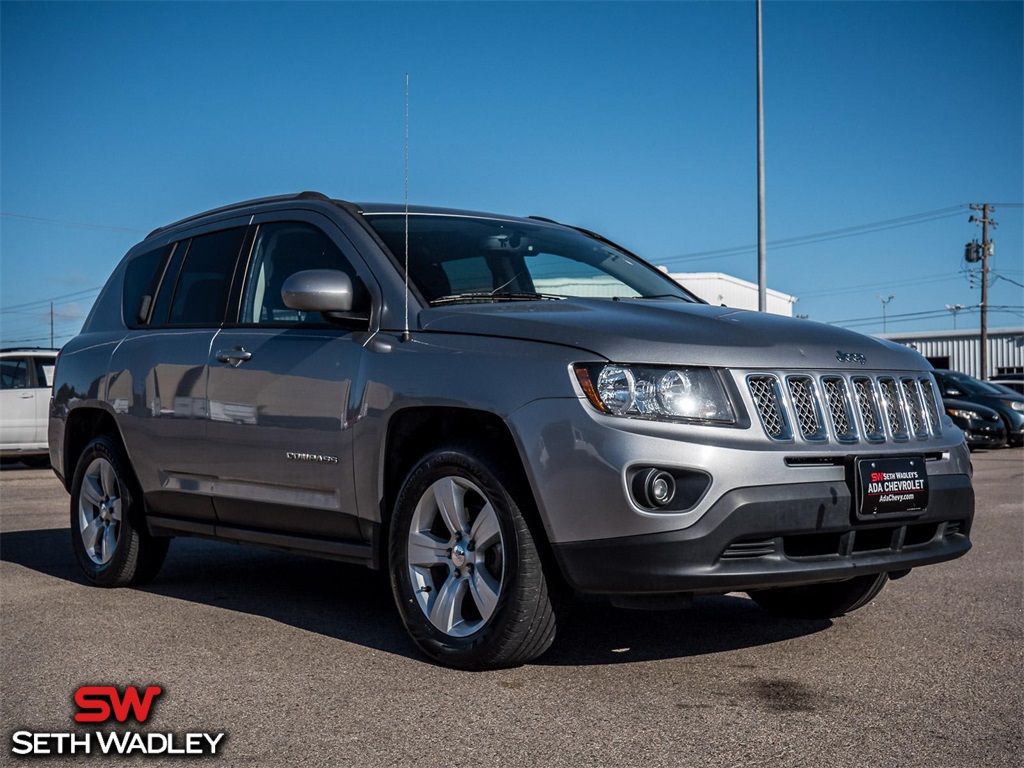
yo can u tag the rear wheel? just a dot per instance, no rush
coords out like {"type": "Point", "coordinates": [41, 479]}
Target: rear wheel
{"type": "Point", "coordinates": [465, 571]}
{"type": "Point", "coordinates": [107, 520]}
{"type": "Point", "coordinates": [821, 601]}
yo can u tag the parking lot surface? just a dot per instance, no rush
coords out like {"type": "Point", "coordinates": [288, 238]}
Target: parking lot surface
{"type": "Point", "coordinates": [301, 661]}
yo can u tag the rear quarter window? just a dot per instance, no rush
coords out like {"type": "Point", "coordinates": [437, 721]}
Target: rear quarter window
{"type": "Point", "coordinates": [141, 279]}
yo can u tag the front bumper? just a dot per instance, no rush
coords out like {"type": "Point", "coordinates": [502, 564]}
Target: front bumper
{"type": "Point", "coordinates": [770, 536]}
{"type": "Point", "coordinates": [985, 437]}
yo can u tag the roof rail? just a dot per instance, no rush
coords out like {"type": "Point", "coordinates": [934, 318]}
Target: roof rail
{"type": "Point", "coordinates": [307, 195]}
{"type": "Point", "coordinates": [28, 349]}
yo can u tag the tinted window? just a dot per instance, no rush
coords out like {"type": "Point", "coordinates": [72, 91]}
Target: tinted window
{"type": "Point", "coordinates": [281, 250]}
{"type": "Point", "coordinates": [44, 371]}
{"type": "Point", "coordinates": [141, 279]}
{"type": "Point", "coordinates": [201, 291]}
{"type": "Point", "coordinates": [13, 373]}
{"type": "Point", "coordinates": [968, 384]}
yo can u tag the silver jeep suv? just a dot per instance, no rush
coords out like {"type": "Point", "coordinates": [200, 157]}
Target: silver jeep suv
{"type": "Point", "coordinates": [528, 409]}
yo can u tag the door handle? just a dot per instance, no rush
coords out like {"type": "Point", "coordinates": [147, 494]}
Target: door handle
{"type": "Point", "coordinates": [26, 395]}
{"type": "Point", "coordinates": [235, 356]}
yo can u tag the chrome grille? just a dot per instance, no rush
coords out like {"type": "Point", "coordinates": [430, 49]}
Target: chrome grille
{"type": "Point", "coordinates": [929, 401]}
{"type": "Point", "coordinates": [892, 406]}
{"type": "Point", "coordinates": [871, 407]}
{"type": "Point", "coordinates": [801, 389]}
{"type": "Point", "coordinates": [868, 405]}
{"type": "Point", "coordinates": [839, 408]}
{"type": "Point", "coordinates": [765, 391]}
{"type": "Point", "coordinates": [915, 406]}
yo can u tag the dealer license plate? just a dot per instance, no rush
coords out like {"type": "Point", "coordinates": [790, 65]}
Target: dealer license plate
{"type": "Point", "coordinates": [892, 486]}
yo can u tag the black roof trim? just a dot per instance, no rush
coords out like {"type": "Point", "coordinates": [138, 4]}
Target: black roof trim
{"type": "Point", "coordinates": [29, 349]}
{"type": "Point", "coordinates": [308, 195]}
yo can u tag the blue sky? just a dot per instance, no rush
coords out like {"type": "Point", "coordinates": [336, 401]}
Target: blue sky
{"type": "Point", "coordinates": [634, 119]}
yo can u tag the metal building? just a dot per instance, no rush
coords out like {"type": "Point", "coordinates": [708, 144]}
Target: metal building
{"type": "Point", "coordinates": [961, 350]}
{"type": "Point", "coordinates": [720, 288]}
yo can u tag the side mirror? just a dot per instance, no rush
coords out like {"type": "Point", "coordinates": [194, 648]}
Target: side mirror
{"type": "Point", "coordinates": [318, 290]}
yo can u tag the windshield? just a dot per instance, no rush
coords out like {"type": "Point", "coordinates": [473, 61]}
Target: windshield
{"type": "Point", "coordinates": [971, 385]}
{"type": "Point", "coordinates": [461, 258]}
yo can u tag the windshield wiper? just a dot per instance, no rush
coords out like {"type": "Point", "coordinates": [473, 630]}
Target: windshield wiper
{"type": "Point", "coordinates": [653, 296]}
{"type": "Point", "coordinates": [484, 296]}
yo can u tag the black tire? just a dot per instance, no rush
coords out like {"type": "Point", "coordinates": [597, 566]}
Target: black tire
{"type": "Point", "coordinates": [821, 601]}
{"type": "Point", "coordinates": [108, 528]}
{"type": "Point", "coordinates": [479, 573]}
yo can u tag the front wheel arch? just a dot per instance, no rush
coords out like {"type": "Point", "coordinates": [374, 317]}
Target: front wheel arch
{"type": "Point", "coordinates": [414, 432]}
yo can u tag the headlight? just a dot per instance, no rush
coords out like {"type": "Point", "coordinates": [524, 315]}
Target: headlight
{"type": "Point", "coordinates": [1016, 405]}
{"type": "Point", "coordinates": [962, 414]}
{"type": "Point", "coordinates": [656, 392]}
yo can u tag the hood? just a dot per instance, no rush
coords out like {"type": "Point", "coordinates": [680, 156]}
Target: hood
{"type": "Point", "coordinates": [671, 332]}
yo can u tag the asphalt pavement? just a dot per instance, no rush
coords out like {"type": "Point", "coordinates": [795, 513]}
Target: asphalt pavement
{"type": "Point", "coordinates": [304, 662]}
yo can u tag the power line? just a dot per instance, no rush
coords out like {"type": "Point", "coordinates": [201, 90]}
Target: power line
{"type": "Point", "coordinates": [60, 222]}
{"type": "Point", "coordinates": [833, 234]}
{"type": "Point", "coordinates": [55, 299]}
{"type": "Point", "coordinates": [1004, 277]}
{"type": "Point", "coordinates": [944, 277]}
{"type": "Point", "coordinates": [922, 315]}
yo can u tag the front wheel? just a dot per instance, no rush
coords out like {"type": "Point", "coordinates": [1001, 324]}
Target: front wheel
{"type": "Point", "coordinates": [821, 601]}
{"type": "Point", "coordinates": [465, 572]}
{"type": "Point", "coordinates": [107, 523]}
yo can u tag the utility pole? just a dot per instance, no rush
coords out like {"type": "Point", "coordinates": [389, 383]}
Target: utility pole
{"type": "Point", "coordinates": [954, 308]}
{"type": "Point", "coordinates": [986, 250]}
{"type": "Point", "coordinates": [885, 304]}
{"type": "Point", "coordinates": [762, 256]}
{"type": "Point", "coordinates": [51, 325]}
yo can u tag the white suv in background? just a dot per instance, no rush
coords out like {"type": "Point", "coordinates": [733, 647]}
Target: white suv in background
{"type": "Point", "coordinates": [26, 380]}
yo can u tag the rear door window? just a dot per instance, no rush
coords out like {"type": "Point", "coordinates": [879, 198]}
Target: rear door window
{"type": "Point", "coordinates": [199, 296]}
{"type": "Point", "coordinates": [14, 373]}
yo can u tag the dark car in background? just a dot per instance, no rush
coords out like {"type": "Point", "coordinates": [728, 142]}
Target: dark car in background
{"type": "Point", "coordinates": [967, 389]}
{"type": "Point", "coordinates": [983, 427]}
{"type": "Point", "coordinates": [1012, 381]}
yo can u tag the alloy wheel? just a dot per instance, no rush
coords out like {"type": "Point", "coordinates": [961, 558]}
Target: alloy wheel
{"type": "Point", "coordinates": [456, 556]}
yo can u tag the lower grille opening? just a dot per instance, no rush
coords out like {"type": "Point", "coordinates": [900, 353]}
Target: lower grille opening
{"type": "Point", "coordinates": [844, 543]}
{"type": "Point", "coordinates": [920, 534]}
{"type": "Point", "coordinates": [812, 545]}
{"type": "Point", "coordinates": [872, 540]}
{"type": "Point", "coordinates": [815, 461]}
{"type": "Point", "coordinates": [739, 550]}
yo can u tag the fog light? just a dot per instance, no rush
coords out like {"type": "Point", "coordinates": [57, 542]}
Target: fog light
{"type": "Point", "coordinates": [659, 488]}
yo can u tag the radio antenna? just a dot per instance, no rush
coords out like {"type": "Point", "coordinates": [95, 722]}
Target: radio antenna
{"type": "Point", "coordinates": [405, 334]}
